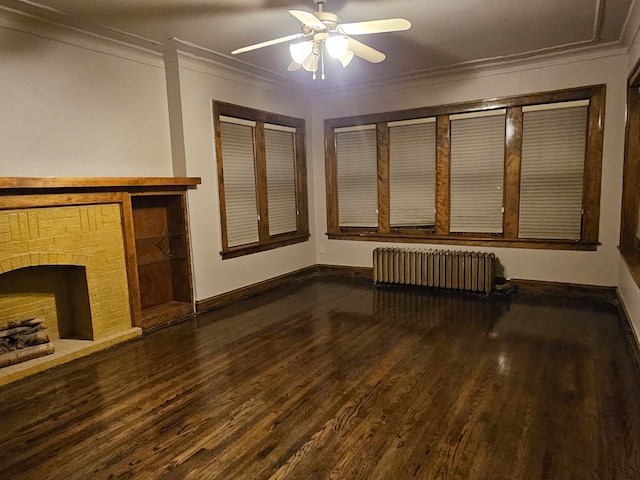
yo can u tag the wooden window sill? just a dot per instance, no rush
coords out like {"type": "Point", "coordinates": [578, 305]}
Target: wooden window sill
{"type": "Point", "coordinates": [475, 240]}
{"type": "Point", "coordinates": [276, 242]}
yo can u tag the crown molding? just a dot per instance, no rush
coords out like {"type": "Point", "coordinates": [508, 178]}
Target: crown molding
{"type": "Point", "coordinates": [208, 62]}
{"type": "Point", "coordinates": [481, 68]}
{"type": "Point", "coordinates": [52, 25]}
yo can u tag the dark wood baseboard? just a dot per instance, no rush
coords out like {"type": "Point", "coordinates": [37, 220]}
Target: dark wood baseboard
{"type": "Point", "coordinates": [559, 288]}
{"type": "Point", "coordinates": [633, 342]}
{"type": "Point", "coordinates": [345, 271]}
{"type": "Point", "coordinates": [254, 289]}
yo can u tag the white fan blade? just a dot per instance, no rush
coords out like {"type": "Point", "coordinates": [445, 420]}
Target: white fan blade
{"type": "Point", "coordinates": [268, 43]}
{"type": "Point", "coordinates": [308, 19]}
{"type": "Point", "coordinates": [375, 26]}
{"type": "Point", "coordinates": [293, 66]}
{"type": "Point", "coordinates": [366, 52]}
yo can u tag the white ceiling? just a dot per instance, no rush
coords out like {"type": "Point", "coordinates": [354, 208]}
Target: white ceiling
{"type": "Point", "coordinates": [445, 33]}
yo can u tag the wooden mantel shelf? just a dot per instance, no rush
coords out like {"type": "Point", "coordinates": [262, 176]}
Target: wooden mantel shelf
{"type": "Point", "coordinates": [83, 183]}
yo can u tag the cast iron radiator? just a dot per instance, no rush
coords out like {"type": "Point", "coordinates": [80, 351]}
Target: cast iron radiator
{"type": "Point", "coordinates": [472, 271]}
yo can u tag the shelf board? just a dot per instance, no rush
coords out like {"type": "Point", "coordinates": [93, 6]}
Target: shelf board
{"type": "Point", "coordinates": [165, 313]}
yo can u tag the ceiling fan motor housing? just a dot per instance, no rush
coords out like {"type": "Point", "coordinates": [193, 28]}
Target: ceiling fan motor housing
{"type": "Point", "coordinates": [330, 19]}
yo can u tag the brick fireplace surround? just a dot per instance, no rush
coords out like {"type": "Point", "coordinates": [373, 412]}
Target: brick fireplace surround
{"type": "Point", "coordinates": [65, 257]}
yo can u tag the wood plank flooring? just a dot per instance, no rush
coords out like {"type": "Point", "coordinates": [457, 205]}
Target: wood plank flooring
{"type": "Point", "coordinates": [337, 380]}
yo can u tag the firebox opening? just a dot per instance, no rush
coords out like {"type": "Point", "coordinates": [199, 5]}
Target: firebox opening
{"type": "Point", "coordinates": [56, 293]}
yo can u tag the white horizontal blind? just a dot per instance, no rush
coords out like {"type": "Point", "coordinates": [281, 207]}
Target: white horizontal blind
{"type": "Point", "coordinates": [477, 172]}
{"type": "Point", "coordinates": [356, 153]}
{"type": "Point", "coordinates": [281, 180]}
{"type": "Point", "coordinates": [553, 158]}
{"type": "Point", "coordinates": [239, 183]}
{"type": "Point", "coordinates": [412, 173]}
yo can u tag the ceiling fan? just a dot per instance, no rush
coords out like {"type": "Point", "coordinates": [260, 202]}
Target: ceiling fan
{"type": "Point", "coordinates": [324, 30]}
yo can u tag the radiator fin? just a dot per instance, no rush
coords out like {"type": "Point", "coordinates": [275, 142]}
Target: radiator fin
{"type": "Point", "coordinates": [471, 271]}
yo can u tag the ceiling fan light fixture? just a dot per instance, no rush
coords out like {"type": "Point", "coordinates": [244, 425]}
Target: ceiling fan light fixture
{"type": "Point", "coordinates": [300, 51]}
{"type": "Point", "coordinates": [337, 46]}
{"type": "Point", "coordinates": [346, 58]}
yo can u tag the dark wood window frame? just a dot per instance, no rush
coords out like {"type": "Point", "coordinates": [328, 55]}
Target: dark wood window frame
{"type": "Point", "coordinates": [513, 150]}
{"type": "Point", "coordinates": [629, 241]}
{"type": "Point", "coordinates": [266, 241]}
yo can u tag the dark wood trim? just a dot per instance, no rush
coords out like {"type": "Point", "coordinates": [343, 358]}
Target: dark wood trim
{"type": "Point", "coordinates": [135, 304]}
{"type": "Point", "coordinates": [384, 206]}
{"type": "Point", "coordinates": [331, 177]}
{"type": "Point", "coordinates": [593, 168]}
{"type": "Point", "coordinates": [566, 95]}
{"type": "Point", "coordinates": [443, 174]}
{"type": "Point", "coordinates": [266, 241]}
{"type": "Point", "coordinates": [8, 202]}
{"type": "Point", "coordinates": [561, 288]}
{"type": "Point", "coordinates": [633, 342]}
{"type": "Point", "coordinates": [512, 167]}
{"type": "Point", "coordinates": [220, 169]}
{"type": "Point", "coordinates": [273, 242]}
{"type": "Point", "coordinates": [631, 172]}
{"type": "Point", "coordinates": [252, 114]}
{"type": "Point", "coordinates": [345, 271]}
{"type": "Point", "coordinates": [112, 183]}
{"type": "Point", "coordinates": [254, 289]}
{"type": "Point", "coordinates": [302, 195]}
{"type": "Point", "coordinates": [260, 167]}
{"type": "Point", "coordinates": [486, 241]}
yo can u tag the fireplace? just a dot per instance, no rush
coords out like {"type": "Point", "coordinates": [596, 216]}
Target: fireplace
{"type": "Point", "coordinates": [71, 253]}
{"type": "Point", "coordinates": [57, 294]}
{"type": "Point", "coordinates": [66, 265]}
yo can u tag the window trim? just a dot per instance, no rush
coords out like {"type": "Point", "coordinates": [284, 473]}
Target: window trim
{"type": "Point", "coordinates": [629, 243]}
{"type": "Point", "coordinates": [266, 241]}
{"type": "Point", "coordinates": [513, 152]}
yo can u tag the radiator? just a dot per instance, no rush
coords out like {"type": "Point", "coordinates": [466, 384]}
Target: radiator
{"type": "Point", "coordinates": [472, 271]}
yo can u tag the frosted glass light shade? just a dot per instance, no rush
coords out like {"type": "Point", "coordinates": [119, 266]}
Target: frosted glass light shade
{"type": "Point", "coordinates": [337, 46]}
{"type": "Point", "coordinates": [300, 51]}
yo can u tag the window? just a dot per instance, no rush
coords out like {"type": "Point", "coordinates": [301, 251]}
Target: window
{"type": "Point", "coordinates": [262, 179]}
{"type": "Point", "coordinates": [412, 173]}
{"type": "Point", "coordinates": [554, 139]}
{"type": "Point", "coordinates": [630, 217]}
{"type": "Point", "coordinates": [515, 172]}
{"type": "Point", "coordinates": [358, 176]}
{"type": "Point", "coordinates": [477, 171]}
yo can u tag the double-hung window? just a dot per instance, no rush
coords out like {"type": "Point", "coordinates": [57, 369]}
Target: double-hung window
{"type": "Point", "coordinates": [516, 172]}
{"type": "Point", "coordinates": [261, 179]}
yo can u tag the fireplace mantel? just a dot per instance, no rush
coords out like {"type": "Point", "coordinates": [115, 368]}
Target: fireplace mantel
{"type": "Point", "coordinates": [102, 183]}
{"type": "Point", "coordinates": [145, 216]}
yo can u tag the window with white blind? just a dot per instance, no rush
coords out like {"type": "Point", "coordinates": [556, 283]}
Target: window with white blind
{"type": "Point", "coordinates": [281, 178]}
{"type": "Point", "coordinates": [412, 173]}
{"type": "Point", "coordinates": [554, 140]}
{"type": "Point", "coordinates": [357, 176]}
{"type": "Point", "coordinates": [477, 171]}
{"type": "Point", "coordinates": [239, 181]}
{"type": "Point", "coordinates": [519, 171]}
{"type": "Point", "coordinates": [261, 175]}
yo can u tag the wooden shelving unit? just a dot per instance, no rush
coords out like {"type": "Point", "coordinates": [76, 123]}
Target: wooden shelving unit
{"type": "Point", "coordinates": [162, 257]}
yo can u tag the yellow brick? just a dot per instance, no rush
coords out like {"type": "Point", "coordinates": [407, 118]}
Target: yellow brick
{"type": "Point", "coordinates": [14, 225]}
{"type": "Point", "coordinates": [33, 225]}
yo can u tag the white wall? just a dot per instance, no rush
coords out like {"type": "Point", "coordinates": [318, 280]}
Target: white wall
{"type": "Point", "coordinates": [594, 268]}
{"type": "Point", "coordinates": [200, 83]}
{"type": "Point", "coordinates": [73, 105]}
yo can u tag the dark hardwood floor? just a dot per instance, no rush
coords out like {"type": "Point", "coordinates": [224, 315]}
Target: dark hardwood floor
{"type": "Point", "coordinates": [335, 379]}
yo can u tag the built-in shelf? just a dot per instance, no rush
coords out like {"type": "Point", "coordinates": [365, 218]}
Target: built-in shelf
{"type": "Point", "coordinates": [162, 257]}
{"type": "Point", "coordinates": [111, 183]}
